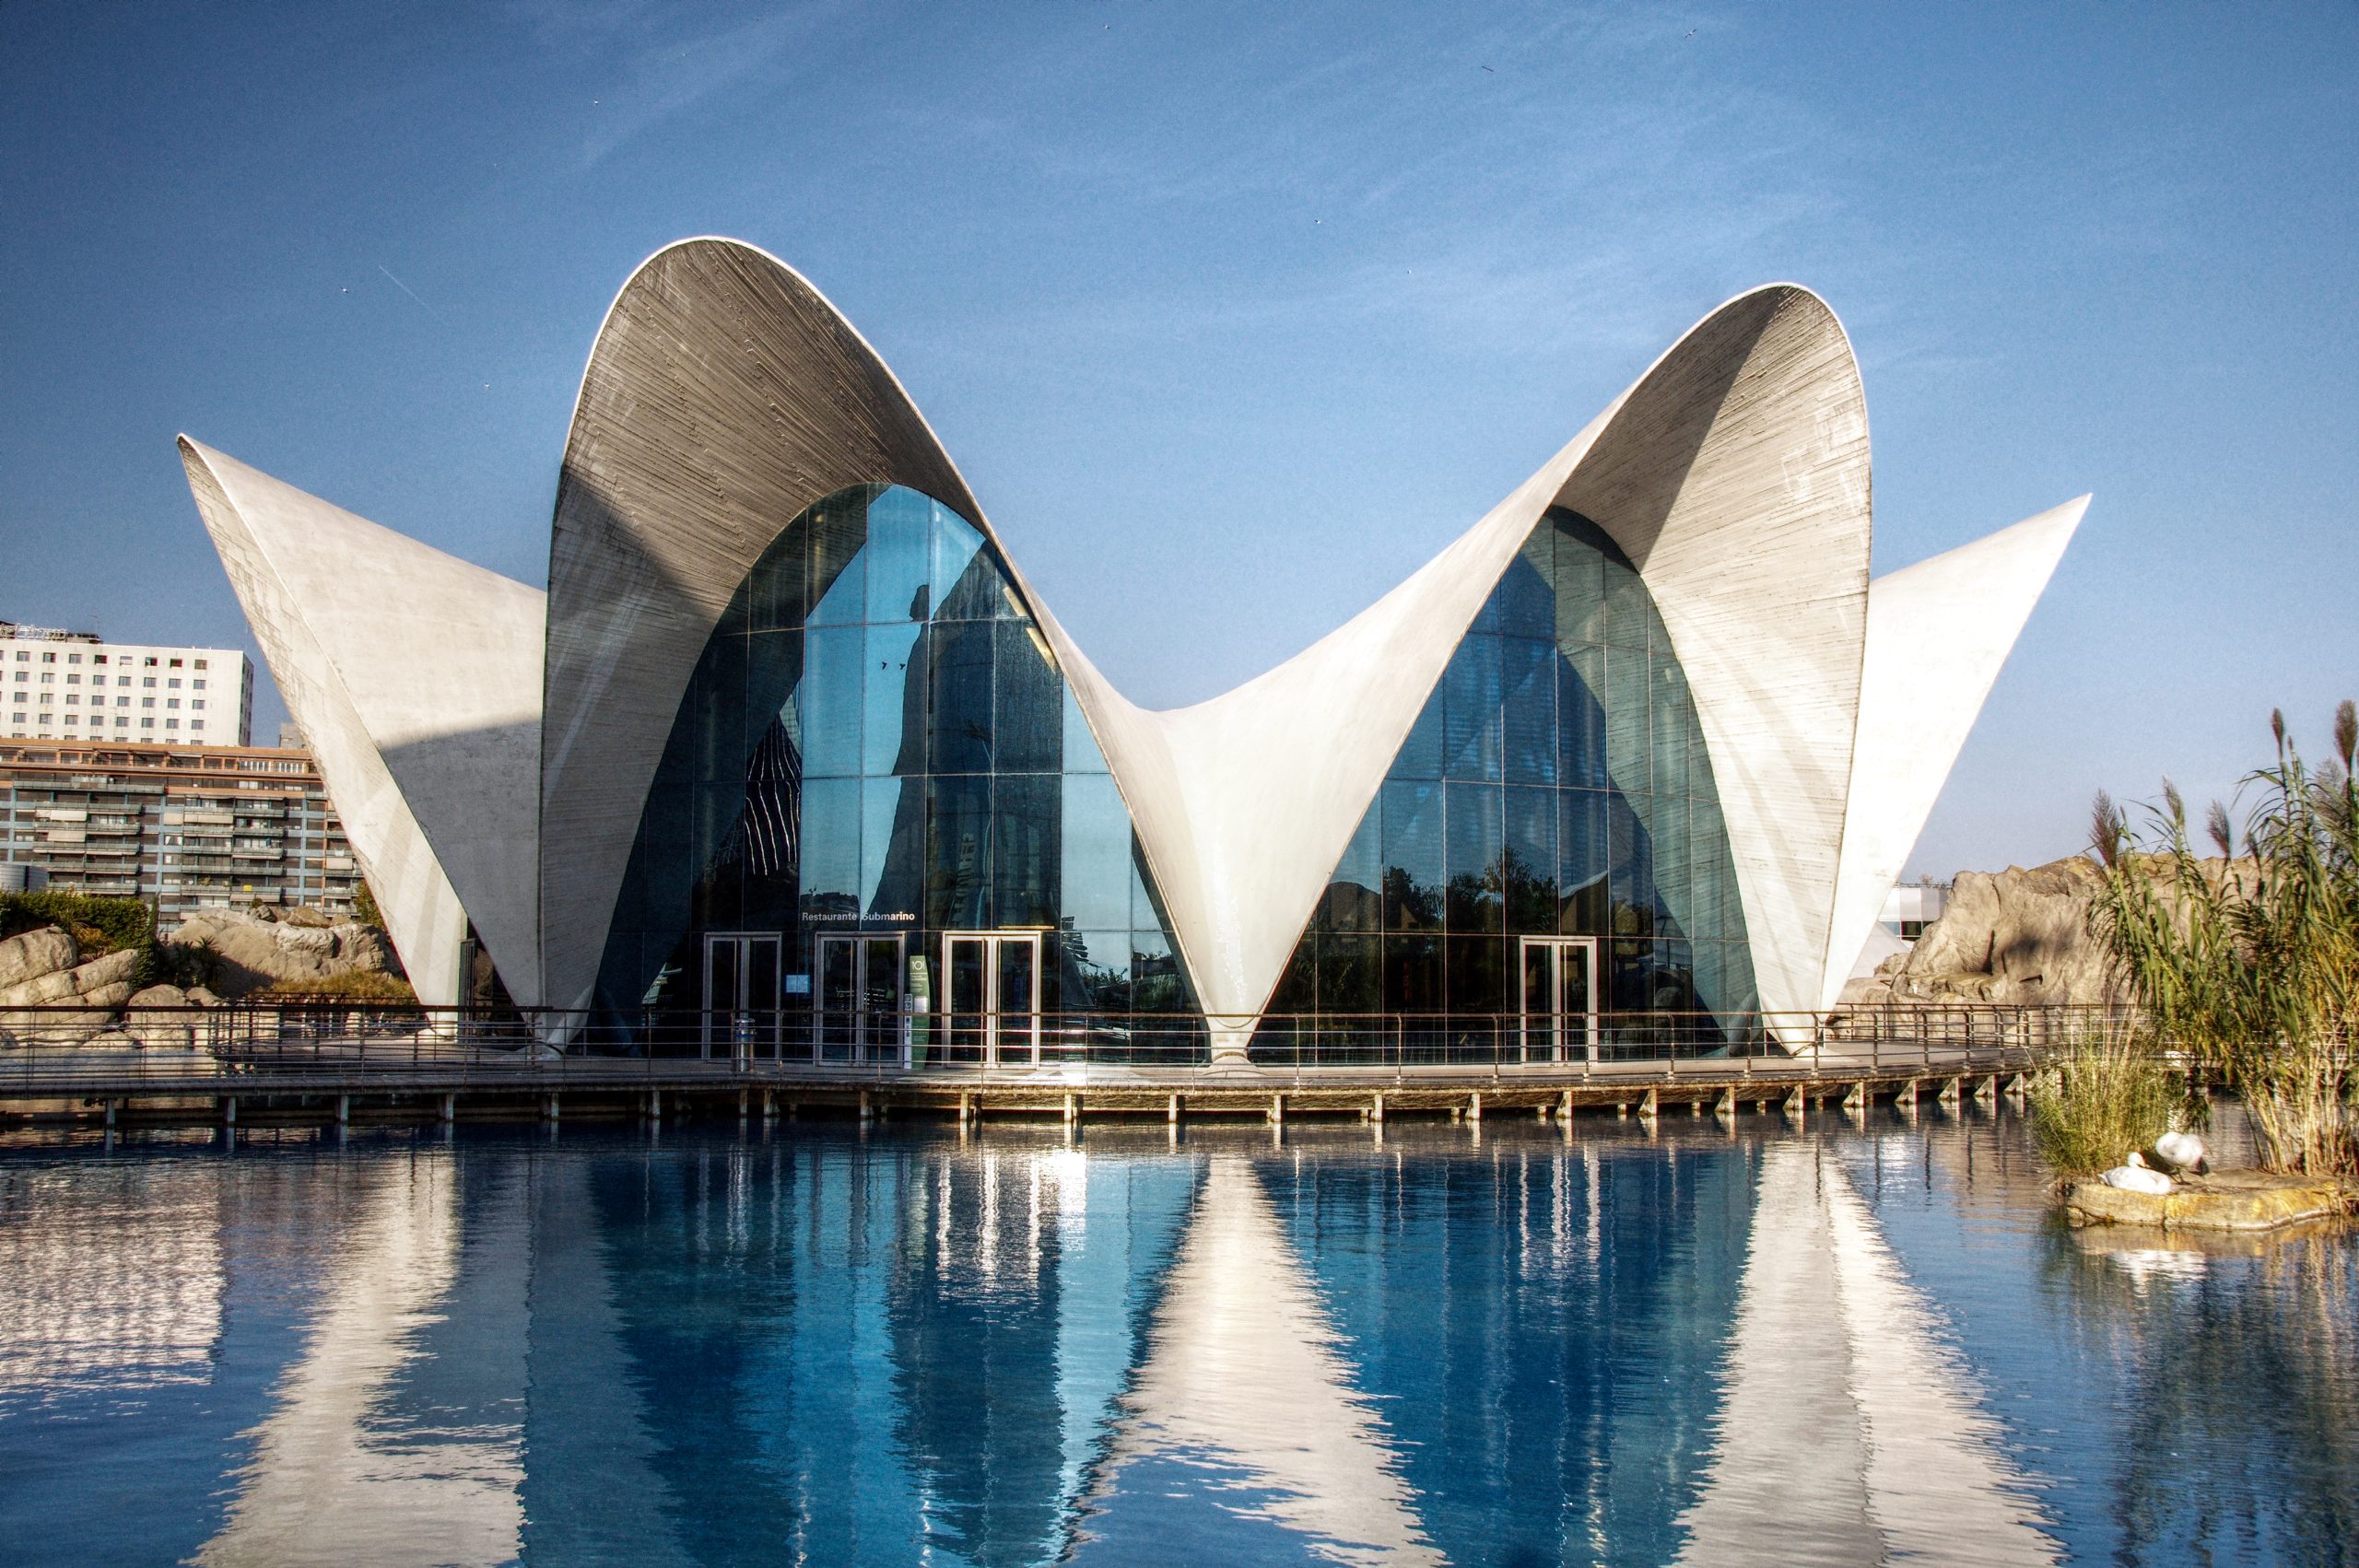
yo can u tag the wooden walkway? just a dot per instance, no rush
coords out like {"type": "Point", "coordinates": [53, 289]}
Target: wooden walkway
{"type": "Point", "coordinates": [186, 1088]}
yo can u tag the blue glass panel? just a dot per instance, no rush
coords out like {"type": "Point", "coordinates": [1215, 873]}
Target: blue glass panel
{"type": "Point", "coordinates": [773, 669]}
{"type": "Point", "coordinates": [1584, 856]}
{"type": "Point", "coordinates": [1025, 838]}
{"type": "Point", "coordinates": [1713, 912]}
{"type": "Point", "coordinates": [1421, 754]}
{"type": "Point", "coordinates": [1101, 962]}
{"type": "Point", "coordinates": [962, 579]}
{"type": "Point", "coordinates": [880, 805]}
{"type": "Point", "coordinates": [1476, 975]}
{"type": "Point", "coordinates": [1530, 866]}
{"type": "Point", "coordinates": [1626, 719]}
{"type": "Point", "coordinates": [1475, 840]}
{"type": "Point", "coordinates": [838, 569]}
{"type": "Point", "coordinates": [831, 848]}
{"type": "Point", "coordinates": [893, 705]}
{"type": "Point", "coordinates": [1580, 581]}
{"type": "Point", "coordinates": [1631, 872]}
{"type": "Point", "coordinates": [1580, 737]}
{"type": "Point", "coordinates": [1531, 711]}
{"type": "Point", "coordinates": [1350, 974]}
{"type": "Point", "coordinates": [1666, 826]}
{"type": "Point", "coordinates": [714, 712]}
{"type": "Point", "coordinates": [829, 702]}
{"type": "Point", "coordinates": [775, 597]}
{"type": "Point", "coordinates": [959, 691]}
{"type": "Point", "coordinates": [1472, 690]}
{"type": "Point", "coordinates": [1096, 855]}
{"type": "Point", "coordinates": [959, 852]}
{"type": "Point", "coordinates": [1412, 973]}
{"type": "Point", "coordinates": [1413, 856]}
{"type": "Point", "coordinates": [1354, 896]}
{"type": "Point", "coordinates": [1672, 721]}
{"type": "Point", "coordinates": [1081, 752]}
{"type": "Point", "coordinates": [1524, 605]}
{"type": "Point", "coordinates": [1628, 609]}
{"type": "Point", "coordinates": [1157, 986]}
{"type": "Point", "coordinates": [900, 530]}
{"type": "Point", "coordinates": [1027, 706]}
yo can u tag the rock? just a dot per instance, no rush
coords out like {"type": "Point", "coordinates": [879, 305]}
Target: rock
{"type": "Point", "coordinates": [305, 914]}
{"type": "Point", "coordinates": [55, 986]}
{"type": "Point", "coordinates": [2228, 1200]}
{"type": "Point", "coordinates": [108, 970]}
{"type": "Point", "coordinates": [35, 953]}
{"type": "Point", "coordinates": [2018, 936]}
{"type": "Point", "coordinates": [234, 952]}
{"type": "Point", "coordinates": [199, 997]}
{"type": "Point", "coordinates": [157, 1016]}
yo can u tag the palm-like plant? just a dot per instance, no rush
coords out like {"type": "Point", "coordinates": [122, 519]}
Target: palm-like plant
{"type": "Point", "coordinates": [2252, 962]}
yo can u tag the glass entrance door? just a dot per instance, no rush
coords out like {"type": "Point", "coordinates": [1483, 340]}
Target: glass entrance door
{"type": "Point", "coordinates": [992, 998]}
{"type": "Point", "coordinates": [741, 994]}
{"type": "Point", "coordinates": [860, 1007]}
{"type": "Point", "coordinates": [1559, 999]}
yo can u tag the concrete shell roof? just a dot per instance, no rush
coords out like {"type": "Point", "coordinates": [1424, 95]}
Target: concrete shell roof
{"type": "Point", "coordinates": [724, 395]}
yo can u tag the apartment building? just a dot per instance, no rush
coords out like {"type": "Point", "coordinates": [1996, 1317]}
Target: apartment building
{"type": "Point", "coordinates": [68, 685]}
{"type": "Point", "coordinates": [182, 828]}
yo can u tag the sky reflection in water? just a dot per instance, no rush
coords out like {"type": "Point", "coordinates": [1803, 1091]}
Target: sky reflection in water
{"type": "Point", "coordinates": [1494, 1345]}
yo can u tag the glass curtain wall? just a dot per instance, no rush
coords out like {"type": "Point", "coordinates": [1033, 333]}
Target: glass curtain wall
{"type": "Point", "coordinates": [1554, 784]}
{"type": "Point", "coordinates": [877, 742]}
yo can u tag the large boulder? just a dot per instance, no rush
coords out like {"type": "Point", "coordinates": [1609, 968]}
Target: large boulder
{"type": "Point", "coordinates": [159, 1016]}
{"type": "Point", "coordinates": [2019, 936]}
{"type": "Point", "coordinates": [34, 955]}
{"type": "Point", "coordinates": [233, 953]}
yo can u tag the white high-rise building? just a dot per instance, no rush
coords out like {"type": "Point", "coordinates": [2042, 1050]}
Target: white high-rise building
{"type": "Point", "coordinates": [70, 685]}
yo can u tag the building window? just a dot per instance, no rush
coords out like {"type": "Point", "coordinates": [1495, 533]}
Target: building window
{"type": "Point", "coordinates": [22, 657]}
{"type": "Point", "coordinates": [49, 658]}
{"type": "Point", "coordinates": [171, 702]}
{"type": "Point", "coordinates": [146, 723]}
{"type": "Point", "coordinates": [48, 679]}
{"type": "Point", "coordinates": [72, 698]}
{"type": "Point", "coordinates": [175, 664]}
{"type": "Point", "coordinates": [122, 680]}
{"type": "Point", "coordinates": [120, 719]}
{"type": "Point", "coordinates": [147, 702]}
{"type": "Point", "coordinates": [199, 682]}
{"type": "Point", "coordinates": [171, 723]}
{"type": "Point", "coordinates": [200, 663]}
{"type": "Point", "coordinates": [73, 659]}
{"type": "Point", "coordinates": [149, 662]}
{"type": "Point", "coordinates": [72, 680]}
{"type": "Point", "coordinates": [196, 702]}
{"type": "Point", "coordinates": [149, 681]}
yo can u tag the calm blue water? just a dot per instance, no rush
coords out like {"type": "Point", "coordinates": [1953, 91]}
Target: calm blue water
{"type": "Point", "coordinates": [1424, 1345]}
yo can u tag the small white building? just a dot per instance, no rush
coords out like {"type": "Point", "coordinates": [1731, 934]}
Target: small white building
{"type": "Point", "coordinates": [68, 686]}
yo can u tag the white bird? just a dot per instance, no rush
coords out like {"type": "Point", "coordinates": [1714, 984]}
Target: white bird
{"type": "Point", "coordinates": [2184, 1151]}
{"type": "Point", "coordinates": [2132, 1175]}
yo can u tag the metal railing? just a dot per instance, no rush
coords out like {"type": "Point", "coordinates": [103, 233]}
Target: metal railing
{"type": "Point", "coordinates": [52, 1049]}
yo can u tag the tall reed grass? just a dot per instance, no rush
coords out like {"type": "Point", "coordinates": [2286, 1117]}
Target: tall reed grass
{"type": "Point", "coordinates": [2250, 963]}
{"type": "Point", "coordinates": [2105, 1094]}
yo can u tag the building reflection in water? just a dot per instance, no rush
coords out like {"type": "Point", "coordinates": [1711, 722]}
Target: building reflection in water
{"type": "Point", "coordinates": [1848, 1432]}
{"type": "Point", "coordinates": [394, 1436]}
{"type": "Point", "coordinates": [819, 1346]}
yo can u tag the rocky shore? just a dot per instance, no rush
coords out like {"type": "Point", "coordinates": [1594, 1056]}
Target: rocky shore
{"type": "Point", "coordinates": [2223, 1200]}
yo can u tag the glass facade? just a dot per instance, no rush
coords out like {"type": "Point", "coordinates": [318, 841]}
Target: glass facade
{"type": "Point", "coordinates": [1555, 786]}
{"type": "Point", "coordinates": [876, 750]}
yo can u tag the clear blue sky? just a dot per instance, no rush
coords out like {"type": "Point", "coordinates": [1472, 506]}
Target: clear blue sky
{"type": "Point", "coordinates": [1233, 315]}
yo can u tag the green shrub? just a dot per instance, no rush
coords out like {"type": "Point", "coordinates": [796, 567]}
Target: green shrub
{"type": "Point", "coordinates": [98, 926]}
{"type": "Point", "coordinates": [2103, 1097]}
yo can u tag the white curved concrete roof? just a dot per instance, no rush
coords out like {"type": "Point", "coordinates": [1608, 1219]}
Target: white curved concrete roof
{"type": "Point", "coordinates": [415, 679]}
{"type": "Point", "coordinates": [724, 395]}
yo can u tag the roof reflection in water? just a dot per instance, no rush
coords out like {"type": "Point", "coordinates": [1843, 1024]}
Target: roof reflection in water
{"type": "Point", "coordinates": [382, 1447]}
{"type": "Point", "coordinates": [1246, 1377]}
{"type": "Point", "coordinates": [1849, 1432]}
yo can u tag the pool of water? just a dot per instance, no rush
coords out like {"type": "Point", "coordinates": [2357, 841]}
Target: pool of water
{"type": "Point", "coordinates": [1498, 1344]}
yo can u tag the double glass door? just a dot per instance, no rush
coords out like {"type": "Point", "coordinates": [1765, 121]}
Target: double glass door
{"type": "Point", "coordinates": [860, 1011]}
{"type": "Point", "coordinates": [741, 992]}
{"type": "Point", "coordinates": [1559, 999]}
{"type": "Point", "coordinates": [990, 1004]}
